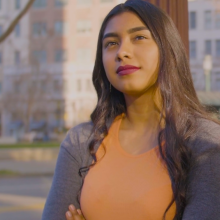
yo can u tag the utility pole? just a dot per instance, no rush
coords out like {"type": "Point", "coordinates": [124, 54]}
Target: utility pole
{"type": "Point", "coordinates": [207, 66]}
{"type": "Point", "coordinates": [178, 11]}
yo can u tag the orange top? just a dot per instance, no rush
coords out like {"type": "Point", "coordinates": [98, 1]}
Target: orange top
{"type": "Point", "coordinates": [122, 186]}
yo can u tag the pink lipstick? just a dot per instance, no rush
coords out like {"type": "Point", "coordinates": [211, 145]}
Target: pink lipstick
{"type": "Point", "coordinates": [126, 70]}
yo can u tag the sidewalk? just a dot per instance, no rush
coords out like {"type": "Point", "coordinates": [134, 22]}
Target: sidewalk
{"type": "Point", "coordinates": [29, 167]}
{"type": "Point", "coordinates": [26, 161]}
{"type": "Point", "coordinates": [27, 154]}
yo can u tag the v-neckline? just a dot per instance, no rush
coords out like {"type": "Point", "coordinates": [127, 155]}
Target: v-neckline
{"type": "Point", "coordinates": [121, 149]}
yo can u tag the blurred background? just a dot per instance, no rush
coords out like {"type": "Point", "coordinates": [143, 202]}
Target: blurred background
{"type": "Point", "coordinates": [47, 54]}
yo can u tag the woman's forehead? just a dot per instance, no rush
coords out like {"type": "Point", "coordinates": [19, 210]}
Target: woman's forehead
{"type": "Point", "coordinates": [124, 20]}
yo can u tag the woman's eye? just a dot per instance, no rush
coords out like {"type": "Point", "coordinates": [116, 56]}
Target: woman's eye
{"type": "Point", "coordinates": [110, 44]}
{"type": "Point", "coordinates": [140, 37]}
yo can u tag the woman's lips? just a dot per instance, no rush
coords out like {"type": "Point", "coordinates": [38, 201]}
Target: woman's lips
{"type": "Point", "coordinates": [127, 71]}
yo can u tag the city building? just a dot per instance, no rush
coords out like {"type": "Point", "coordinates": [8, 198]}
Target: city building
{"type": "Point", "coordinates": [13, 51]}
{"type": "Point", "coordinates": [47, 64]}
{"type": "Point", "coordinates": [204, 44]}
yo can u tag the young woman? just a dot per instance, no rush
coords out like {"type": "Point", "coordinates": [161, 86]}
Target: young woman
{"type": "Point", "coordinates": [151, 150]}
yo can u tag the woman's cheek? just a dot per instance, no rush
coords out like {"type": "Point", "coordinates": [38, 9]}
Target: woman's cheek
{"type": "Point", "coordinates": [109, 68]}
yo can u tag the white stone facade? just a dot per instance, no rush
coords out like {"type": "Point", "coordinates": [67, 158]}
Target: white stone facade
{"type": "Point", "coordinates": [204, 37]}
{"type": "Point", "coordinates": [81, 98]}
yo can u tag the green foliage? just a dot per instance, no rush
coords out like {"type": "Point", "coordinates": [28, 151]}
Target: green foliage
{"type": "Point", "coordinates": [8, 173]}
{"type": "Point", "coordinates": [31, 145]}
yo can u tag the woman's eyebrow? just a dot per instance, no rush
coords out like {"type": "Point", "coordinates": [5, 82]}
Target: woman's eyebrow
{"type": "Point", "coordinates": [132, 30]}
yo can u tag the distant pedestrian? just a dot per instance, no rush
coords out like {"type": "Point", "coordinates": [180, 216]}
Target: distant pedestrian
{"type": "Point", "coordinates": [151, 150]}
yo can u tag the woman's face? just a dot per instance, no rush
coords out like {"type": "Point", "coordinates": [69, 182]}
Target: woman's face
{"type": "Point", "coordinates": [127, 41]}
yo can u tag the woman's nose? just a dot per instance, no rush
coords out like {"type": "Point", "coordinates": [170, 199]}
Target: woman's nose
{"type": "Point", "coordinates": [124, 51]}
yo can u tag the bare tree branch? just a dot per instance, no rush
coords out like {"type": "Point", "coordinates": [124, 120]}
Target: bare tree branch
{"type": "Point", "coordinates": [15, 21]}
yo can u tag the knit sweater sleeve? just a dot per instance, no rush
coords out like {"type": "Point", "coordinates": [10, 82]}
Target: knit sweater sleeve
{"type": "Point", "coordinates": [66, 181]}
{"type": "Point", "coordinates": [203, 193]}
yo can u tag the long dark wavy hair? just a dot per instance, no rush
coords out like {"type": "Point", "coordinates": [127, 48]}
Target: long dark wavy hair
{"type": "Point", "coordinates": [180, 105]}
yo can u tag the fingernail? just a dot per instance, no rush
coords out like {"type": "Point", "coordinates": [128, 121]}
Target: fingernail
{"type": "Point", "coordinates": [69, 214]}
{"type": "Point", "coordinates": [72, 207]}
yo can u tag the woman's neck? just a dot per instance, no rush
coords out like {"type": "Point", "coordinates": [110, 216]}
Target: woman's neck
{"type": "Point", "coordinates": [142, 112]}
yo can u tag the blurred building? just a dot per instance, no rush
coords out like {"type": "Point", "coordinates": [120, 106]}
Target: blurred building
{"type": "Point", "coordinates": [12, 52]}
{"type": "Point", "coordinates": [46, 63]}
{"type": "Point", "coordinates": [204, 39]}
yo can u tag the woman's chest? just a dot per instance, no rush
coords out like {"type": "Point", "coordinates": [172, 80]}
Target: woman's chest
{"type": "Point", "coordinates": [120, 187]}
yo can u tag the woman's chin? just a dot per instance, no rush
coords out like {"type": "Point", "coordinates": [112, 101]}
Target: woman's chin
{"type": "Point", "coordinates": [133, 92]}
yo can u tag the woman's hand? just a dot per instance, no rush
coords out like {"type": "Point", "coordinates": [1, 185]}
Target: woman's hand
{"type": "Point", "coordinates": [74, 214]}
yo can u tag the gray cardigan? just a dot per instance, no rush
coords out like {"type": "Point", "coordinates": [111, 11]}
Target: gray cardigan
{"type": "Point", "coordinates": [203, 194]}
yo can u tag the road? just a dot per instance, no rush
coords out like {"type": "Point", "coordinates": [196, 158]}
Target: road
{"type": "Point", "coordinates": [23, 198]}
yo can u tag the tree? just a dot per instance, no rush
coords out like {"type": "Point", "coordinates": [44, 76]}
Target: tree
{"type": "Point", "coordinates": [34, 93]}
{"type": "Point", "coordinates": [15, 21]}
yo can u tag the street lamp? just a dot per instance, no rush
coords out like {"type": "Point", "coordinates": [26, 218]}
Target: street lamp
{"type": "Point", "coordinates": [207, 66]}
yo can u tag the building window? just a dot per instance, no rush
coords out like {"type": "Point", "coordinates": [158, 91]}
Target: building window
{"type": "Point", "coordinates": [33, 85]}
{"type": "Point", "coordinates": [56, 85]}
{"type": "Point", "coordinates": [17, 89]}
{"type": "Point", "coordinates": [17, 4]}
{"type": "Point", "coordinates": [192, 48]}
{"type": "Point", "coordinates": [192, 20]}
{"type": "Point", "coordinates": [59, 27]}
{"type": "Point", "coordinates": [218, 84]}
{"type": "Point", "coordinates": [103, 1]}
{"type": "Point", "coordinates": [40, 56]}
{"type": "Point", "coordinates": [17, 57]}
{"type": "Point", "coordinates": [208, 47]}
{"type": "Point", "coordinates": [65, 86]}
{"type": "Point", "coordinates": [217, 19]}
{"type": "Point", "coordinates": [218, 48]}
{"type": "Point", "coordinates": [84, 2]}
{"type": "Point", "coordinates": [58, 114]}
{"type": "Point", "coordinates": [83, 55]}
{"type": "Point", "coordinates": [88, 85]}
{"type": "Point", "coordinates": [60, 56]}
{"type": "Point", "coordinates": [39, 29]}
{"type": "Point", "coordinates": [208, 19]}
{"type": "Point", "coordinates": [17, 30]}
{"type": "Point", "coordinates": [1, 30]}
{"type": "Point", "coordinates": [83, 26]}
{"type": "Point", "coordinates": [217, 77]}
{"type": "Point", "coordinates": [40, 3]}
{"type": "Point", "coordinates": [60, 3]}
{"type": "Point", "coordinates": [79, 85]}
{"type": "Point", "coordinates": [101, 21]}
{"type": "Point", "coordinates": [193, 76]}
{"type": "Point", "coordinates": [43, 85]}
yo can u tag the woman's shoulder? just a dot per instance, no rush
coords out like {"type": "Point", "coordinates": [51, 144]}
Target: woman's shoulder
{"type": "Point", "coordinates": [208, 130]}
{"type": "Point", "coordinates": [77, 139]}
{"type": "Point", "coordinates": [204, 173]}
{"type": "Point", "coordinates": [81, 131]}
{"type": "Point", "coordinates": [206, 137]}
